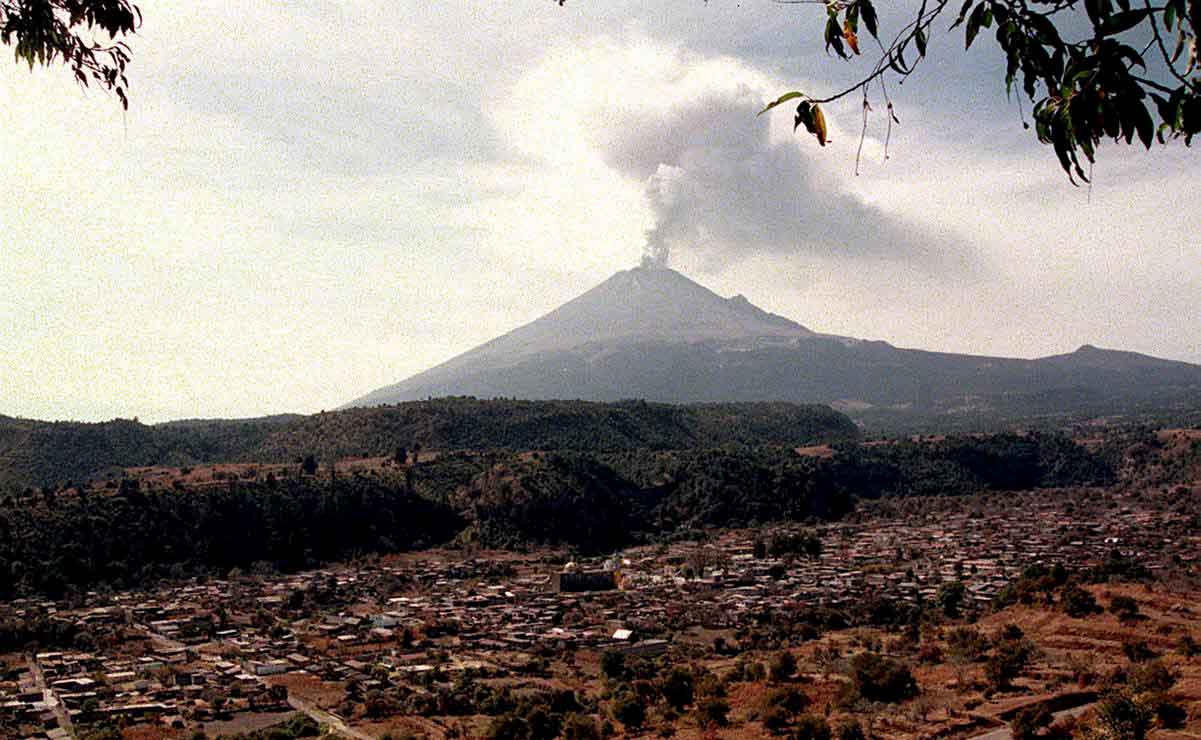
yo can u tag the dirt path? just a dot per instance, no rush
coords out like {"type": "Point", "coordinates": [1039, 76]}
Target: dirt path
{"type": "Point", "coordinates": [48, 695]}
{"type": "Point", "coordinates": [1003, 733]}
{"type": "Point", "coordinates": [323, 717]}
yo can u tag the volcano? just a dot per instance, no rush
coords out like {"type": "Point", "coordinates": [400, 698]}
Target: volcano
{"type": "Point", "coordinates": [652, 333]}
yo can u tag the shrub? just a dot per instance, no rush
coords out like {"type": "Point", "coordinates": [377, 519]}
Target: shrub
{"type": "Point", "coordinates": [950, 598]}
{"type": "Point", "coordinates": [812, 727]}
{"type": "Point", "coordinates": [783, 666]}
{"type": "Point", "coordinates": [1119, 716]}
{"type": "Point", "coordinates": [713, 712]}
{"type": "Point", "coordinates": [790, 700]}
{"type": "Point", "coordinates": [1167, 713]}
{"type": "Point", "coordinates": [775, 720]}
{"type": "Point", "coordinates": [677, 687]}
{"type": "Point", "coordinates": [1008, 661]}
{"type": "Point", "coordinates": [613, 664]}
{"type": "Point", "coordinates": [507, 727]}
{"type": "Point", "coordinates": [1124, 608]}
{"type": "Point", "coordinates": [630, 711]}
{"type": "Point", "coordinates": [930, 653]}
{"type": "Point", "coordinates": [1138, 651]}
{"type": "Point", "coordinates": [1011, 632]}
{"type": "Point", "coordinates": [966, 645]}
{"type": "Point", "coordinates": [1030, 722]}
{"type": "Point", "coordinates": [1078, 603]}
{"type": "Point", "coordinates": [877, 678]}
{"type": "Point", "coordinates": [1150, 678]}
{"type": "Point", "coordinates": [1189, 647]}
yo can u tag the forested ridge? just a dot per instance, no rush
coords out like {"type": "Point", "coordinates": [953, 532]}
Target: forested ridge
{"type": "Point", "coordinates": [35, 453]}
{"type": "Point", "coordinates": [54, 539]}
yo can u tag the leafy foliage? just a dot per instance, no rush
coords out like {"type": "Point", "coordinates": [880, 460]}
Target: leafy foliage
{"type": "Point", "coordinates": [83, 34]}
{"type": "Point", "coordinates": [877, 678]}
{"type": "Point", "coordinates": [131, 537]}
{"type": "Point", "coordinates": [554, 499]}
{"type": "Point", "coordinates": [1092, 69]}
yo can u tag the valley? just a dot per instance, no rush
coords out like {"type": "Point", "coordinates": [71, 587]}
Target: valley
{"type": "Point", "coordinates": [917, 611]}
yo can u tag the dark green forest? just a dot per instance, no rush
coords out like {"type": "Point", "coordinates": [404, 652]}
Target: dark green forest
{"type": "Point", "coordinates": [55, 540]}
{"type": "Point", "coordinates": [35, 453]}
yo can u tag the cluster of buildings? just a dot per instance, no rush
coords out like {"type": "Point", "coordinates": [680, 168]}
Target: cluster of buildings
{"type": "Point", "coordinates": [187, 655]}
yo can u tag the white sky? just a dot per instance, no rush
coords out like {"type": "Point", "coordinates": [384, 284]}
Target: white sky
{"type": "Point", "coordinates": [310, 200]}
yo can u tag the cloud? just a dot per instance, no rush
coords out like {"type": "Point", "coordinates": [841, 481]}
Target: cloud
{"type": "Point", "coordinates": [310, 200]}
{"type": "Point", "coordinates": [721, 182]}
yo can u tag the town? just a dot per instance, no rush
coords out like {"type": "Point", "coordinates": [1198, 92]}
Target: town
{"type": "Point", "coordinates": [362, 648]}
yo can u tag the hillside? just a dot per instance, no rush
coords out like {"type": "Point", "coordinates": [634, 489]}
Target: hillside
{"type": "Point", "coordinates": [36, 453]}
{"type": "Point", "coordinates": [144, 527]}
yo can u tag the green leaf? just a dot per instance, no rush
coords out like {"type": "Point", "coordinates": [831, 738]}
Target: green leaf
{"type": "Point", "coordinates": [834, 35]}
{"type": "Point", "coordinates": [1044, 28]}
{"type": "Point", "coordinates": [1190, 114]}
{"type": "Point", "coordinates": [782, 99]}
{"type": "Point", "coordinates": [1124, 21]}
{"type": "Point", "coordinates": [1167, 111]}
{"type": "Point", "coordinates": [1131, 56]}
{"type": "Point", "coordinates": [868, 13]}
{"type": "Point", "coordinates": [1144, 124]}
{"type": "Point", "coordinates": [967, 5]}
{"type": "Point", "coordinates": [973, 24]}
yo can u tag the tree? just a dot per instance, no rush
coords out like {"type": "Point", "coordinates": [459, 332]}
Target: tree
{"type": "Point", "coordinates": [309, 465]}
{"type": "Point", "coordinates": [1124, 608]}
{"type": "Point", "coordinates": [1007, 662]}
{"type": "Point", "coordinates": [677, 687]}
{"type": "Point", "coordinates": [712, 712]}
{"type": "Point", "coordinates": [1078, 603]}
{"type": "Point", "coordinates": [1029, 723]}
{"type": "Point", "coordinates": [1072, 59]}
{"type": "Point", "coordinates": [630, 711]}
{"type": "Point", "coordinates": [783, 666]}
{"type": "Point", "coordinates": [950, 597]}
{"type": "Point", "coordinates": [1119, 716]}
{"type": "Point", "coordinates": [877, 678]}
{"type": "Point", "coordinates": [83, 34]}
{"type": "Point", "coordinates": [579, 727]}
{"type": "Point", "coordinates": [812, 727]}
{"type": "Point", "coordinates": [613, 664]}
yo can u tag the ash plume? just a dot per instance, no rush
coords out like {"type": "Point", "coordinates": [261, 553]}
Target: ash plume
{"type": "Point", "coordinates": [721, 186]}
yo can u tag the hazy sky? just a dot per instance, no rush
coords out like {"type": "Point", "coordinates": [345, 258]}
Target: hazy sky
{"type": "Point", "coordinates": [309, 200]}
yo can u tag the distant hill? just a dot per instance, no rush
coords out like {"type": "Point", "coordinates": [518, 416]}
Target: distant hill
{"type": "Point", "coordinates": [653, 333]}
{"type": "Point", "coordinates": [34, 453]}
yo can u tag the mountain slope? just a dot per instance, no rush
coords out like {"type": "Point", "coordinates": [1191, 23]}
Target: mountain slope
{"type": "Point", "coordinates": [653, 333]}
{"type": "Point", "coordinates": [645, 304]}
